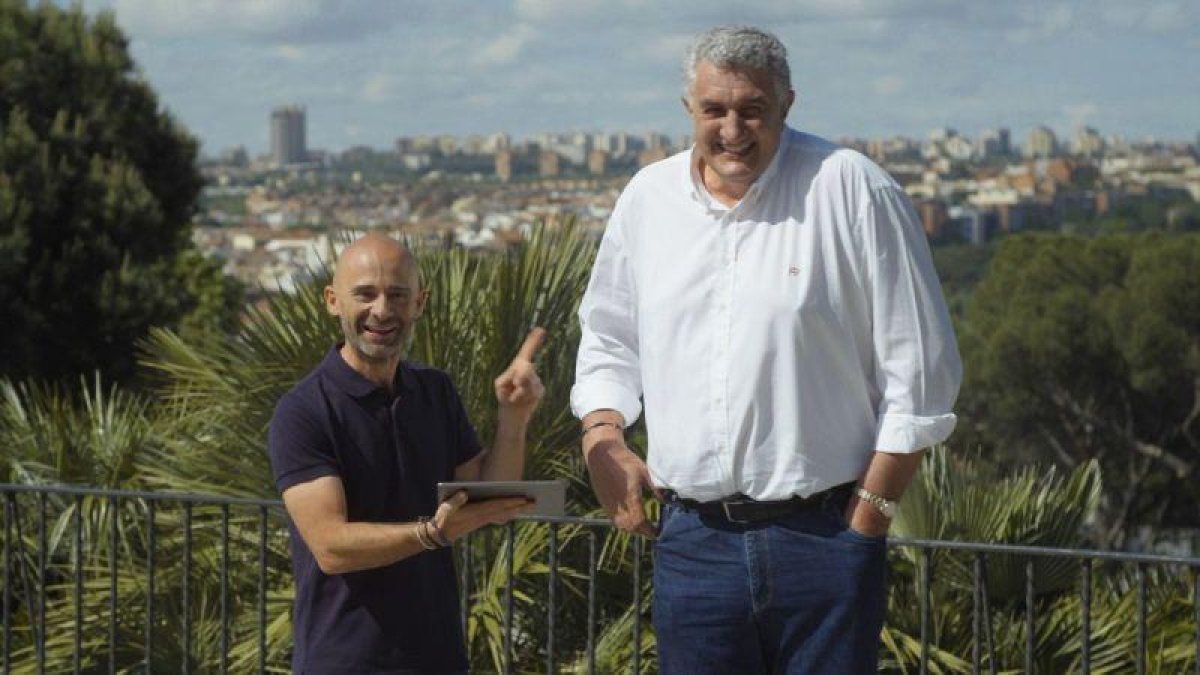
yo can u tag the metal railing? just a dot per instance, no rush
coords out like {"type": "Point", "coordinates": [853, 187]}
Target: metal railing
{"type": "Point", "coordinates": [107, 580]}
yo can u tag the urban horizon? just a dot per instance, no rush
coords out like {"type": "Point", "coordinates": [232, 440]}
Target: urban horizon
{"type": "Point", "coordinates": [1015, 141]}
{"type": "Point", "coordinates": [371, 72]}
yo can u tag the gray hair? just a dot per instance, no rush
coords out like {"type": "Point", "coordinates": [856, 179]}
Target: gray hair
{"type": "Point", "coordinates": [739, 48]}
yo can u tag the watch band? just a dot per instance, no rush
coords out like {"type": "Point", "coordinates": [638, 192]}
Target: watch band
{"type": "Point", "coordinates": [885, 506]}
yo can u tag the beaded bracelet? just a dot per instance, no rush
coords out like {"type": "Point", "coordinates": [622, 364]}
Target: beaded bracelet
{"type": "Point", "coordinates": [427, 542]}
{"type": "Point", "coordinates": [437, 534]}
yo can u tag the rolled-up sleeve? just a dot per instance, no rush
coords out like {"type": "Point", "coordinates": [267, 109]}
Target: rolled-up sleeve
{"type": "Point", "coordinates": [917, 366]}
{"type": "Point", "coordinates": [607, 369]}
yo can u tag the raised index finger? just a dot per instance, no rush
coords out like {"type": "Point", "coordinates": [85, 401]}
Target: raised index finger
{"type": "Point", "coordinates": [532, 342]}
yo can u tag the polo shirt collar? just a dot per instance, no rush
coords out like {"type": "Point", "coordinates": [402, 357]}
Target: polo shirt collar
{"type": "Point", "coordinates": [334, 368]}
{"type": "Point", "coordinates": [694, 186]}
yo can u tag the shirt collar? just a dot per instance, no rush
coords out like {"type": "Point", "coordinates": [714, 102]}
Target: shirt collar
{"type": "Point", "coordinates": [334, 368]}
{"type": "Point", "coordinates": [694, 186]}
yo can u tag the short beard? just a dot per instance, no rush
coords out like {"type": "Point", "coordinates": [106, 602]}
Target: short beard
{"type": "Point", "coordinates": [375, 353]}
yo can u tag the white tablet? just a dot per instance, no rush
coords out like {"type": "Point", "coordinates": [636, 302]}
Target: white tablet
{"type": "Point", "coordinates": [549, 495]}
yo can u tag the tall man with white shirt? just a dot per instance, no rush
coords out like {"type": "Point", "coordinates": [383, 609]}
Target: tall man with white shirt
{"type": "Point", "coordinates": [771, 301]}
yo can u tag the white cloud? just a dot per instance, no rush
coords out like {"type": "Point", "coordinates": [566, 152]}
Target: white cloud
{"type": "Point", "coordinates": [1043, 23]}
{"type": "Point", "coordinates": [1169, 16]}
{"type": "Point", "coordinates": [505, 48]}
{"type": "Point", "coordinates": [651, 95]}
{"type": "Point", "coordinates": [481, 101]}
{"type": "Point", "coordinates": [1156, 17]}
{"type": "Point", "coordinates": [155, 17]}
{"type": "Point", "coordinates": [377, 87]}
{"type": "Point", "coordinates": [288, 20]}
{"type": "Point", "coordinates": [290, 52]}
{"type": "Point", "coordinates": [1079, 114]}
{"type": "Point", "coordinates": [888, 85]}
{"type": "Point", "coordinates": [667, 48]}
{"type": "Point", "coordinates": [556, 11]}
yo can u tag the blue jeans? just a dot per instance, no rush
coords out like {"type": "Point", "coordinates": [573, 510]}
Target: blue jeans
{"type": "Point", "coordinates": [798, 594]}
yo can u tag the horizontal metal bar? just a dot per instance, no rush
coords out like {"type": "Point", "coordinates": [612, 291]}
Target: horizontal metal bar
{"type": "Point", "coordinates": [1119, 556]}
{"type": "Point", "coordinates": [567, 520]}
{"type": "Point", "coordinates": [1077, 553]}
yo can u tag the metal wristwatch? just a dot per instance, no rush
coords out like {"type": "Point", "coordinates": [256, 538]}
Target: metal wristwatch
{"type": "Point", "coordinates": [885, 506]}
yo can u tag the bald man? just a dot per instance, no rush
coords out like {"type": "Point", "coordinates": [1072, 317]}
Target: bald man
{"type": "Point", "coordinates": [357, 449]}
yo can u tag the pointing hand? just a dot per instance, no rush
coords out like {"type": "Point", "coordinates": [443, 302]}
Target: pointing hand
{"type": "Point", "coordinates": [518, 388]}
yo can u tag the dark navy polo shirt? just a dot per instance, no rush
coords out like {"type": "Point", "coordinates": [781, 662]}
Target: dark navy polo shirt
{"type": "Point", "coordinates": [390, 450]}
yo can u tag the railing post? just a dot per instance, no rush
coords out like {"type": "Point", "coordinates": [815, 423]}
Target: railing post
{"type": "Point", "coordinates": [42, 559]}
{"type": "Point", "coordinates": [186, 665]}
{"type": "Point", "coordinates": [224, 658]}
{"type": "Point", "coordinates": [637, 603]}
{"type": "Point", "coordinates": [977, 612]}
{"type": "Point", "coordinates": [113, 526]}
{"type": "Point", "coordinates": [1029, 622]}
{"type": "Point", "coordinates": [78, 573]}
{"type": "Point", "coordinates": [8, 516]}
{"type": "Point", "coordinates": [511, 542]}
{"type": "Point", "coordinates": [551, 598]}
{"type": "Point", "coordinates": [1141, 627]}
{"type": "Point", "coordinates": [151, 561]}
{"type": "Point", "coordinates": [591, 611]}
{"type": "Point", "coordinates": [1085, 653]}
{"type": "Point", "coordinates": [926, 607]}
{"type": "Point", "coordinates": [464, 585]}
{"type": "Point", "coordinates": [1196, 615]}
{"type": "Point", "coordinates": [987, 619]}
{"type": "Point", "coordinates": [262, 589]}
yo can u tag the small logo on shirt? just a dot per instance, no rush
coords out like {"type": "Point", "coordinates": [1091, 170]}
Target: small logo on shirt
{"type": "Point", "coordinates": [793, 271]}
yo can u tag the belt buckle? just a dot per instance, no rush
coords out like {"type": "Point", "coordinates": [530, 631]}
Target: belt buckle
{"type": "Point", "coordinates": [729, 515]}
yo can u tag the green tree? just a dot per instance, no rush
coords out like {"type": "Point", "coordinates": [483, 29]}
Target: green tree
{"type": "Point", "coordinates": [1079, 348]}
{"type": "Point", "coordinates": [97, 189]}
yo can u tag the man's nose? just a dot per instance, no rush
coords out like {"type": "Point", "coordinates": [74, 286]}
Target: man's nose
{"type": "Point", "coordinates": [383, 306]}
{"type": "Point", "coordinates": [731, 125]}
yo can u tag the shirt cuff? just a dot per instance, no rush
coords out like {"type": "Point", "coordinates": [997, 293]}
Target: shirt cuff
{"type": "Point", "coordinates": [902, 433]}
{"type": "Point", "coordinates": [597, 394]}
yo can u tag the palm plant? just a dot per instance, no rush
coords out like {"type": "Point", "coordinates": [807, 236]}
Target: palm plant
{"type": "Point", "coordinates": [960, 499]}
{"type": "Point", "coordinates": [97, 436]}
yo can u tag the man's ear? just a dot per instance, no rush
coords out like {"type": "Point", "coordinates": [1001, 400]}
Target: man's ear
{"type": "Point", "coordinates": [330, 301]}
{"type": "Point", "coordinates": [791, 98]}
{"type": "Point", "coordinates": [686, 106]}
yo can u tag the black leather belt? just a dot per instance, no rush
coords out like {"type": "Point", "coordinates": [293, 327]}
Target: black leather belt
{"type": "Point", "coordinates": [742, 509]}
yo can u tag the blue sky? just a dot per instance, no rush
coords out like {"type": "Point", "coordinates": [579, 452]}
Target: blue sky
{"type": "Point", "coordinates": [371, 70]}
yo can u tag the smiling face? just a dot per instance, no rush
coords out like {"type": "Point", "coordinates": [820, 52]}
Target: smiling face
{"type": "Point", "coordinates": [737, 121]}
{"type": "Point", "coordinates": [377, 298]}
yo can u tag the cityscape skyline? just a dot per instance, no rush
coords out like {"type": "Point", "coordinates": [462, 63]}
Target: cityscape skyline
{"type": "Point", "coordinates": [368, 73]}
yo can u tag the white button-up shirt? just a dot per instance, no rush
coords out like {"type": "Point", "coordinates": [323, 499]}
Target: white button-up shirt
{"type": "Point", "coordinates": [775, 344]}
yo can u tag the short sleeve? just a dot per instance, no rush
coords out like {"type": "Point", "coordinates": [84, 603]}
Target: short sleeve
{"type": "Point", "coordinates": [464, 440]}
{"type": "Point", "coordinates": [299, 449]}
